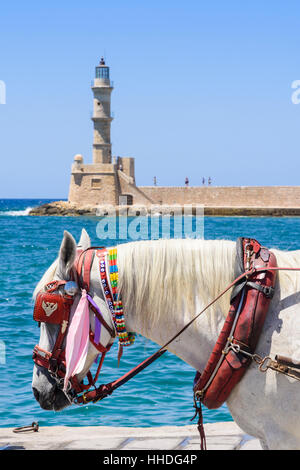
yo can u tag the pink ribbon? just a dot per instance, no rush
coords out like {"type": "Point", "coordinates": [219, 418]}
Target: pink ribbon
{"type": "Point", "coordinates": [77, 341]}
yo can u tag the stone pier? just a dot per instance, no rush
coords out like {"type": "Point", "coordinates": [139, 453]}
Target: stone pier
{"type": "Point", "coordinates": [219, 436]}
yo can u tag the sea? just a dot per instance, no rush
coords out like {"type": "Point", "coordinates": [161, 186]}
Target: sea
{"type": "Point", "coordinates": [161, 394]}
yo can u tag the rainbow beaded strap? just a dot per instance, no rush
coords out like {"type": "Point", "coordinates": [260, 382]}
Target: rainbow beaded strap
{"type": "Point", "coordinates": [125, 338]}
{"type": "Point", "coordinates": [115, 303]}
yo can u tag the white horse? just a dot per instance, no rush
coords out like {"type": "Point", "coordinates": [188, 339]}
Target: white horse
{"type": "Point", "coordinates": [164, 283]}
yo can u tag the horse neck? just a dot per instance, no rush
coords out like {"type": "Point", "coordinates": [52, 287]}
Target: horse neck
{"type": "Point", "coordinates": [165, 283]}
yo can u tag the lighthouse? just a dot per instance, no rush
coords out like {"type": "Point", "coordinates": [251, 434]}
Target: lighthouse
{"type": "Point", "coordinates": [108, 179]}
{"type": "Point", "coordinates": [102, 88]}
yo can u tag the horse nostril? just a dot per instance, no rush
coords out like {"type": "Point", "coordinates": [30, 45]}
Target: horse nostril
{"type": "Point", "coordinates": [36, 393]}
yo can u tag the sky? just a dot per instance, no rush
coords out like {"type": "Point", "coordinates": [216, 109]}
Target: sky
{"type": "Point", "coordinates": [201, 88]}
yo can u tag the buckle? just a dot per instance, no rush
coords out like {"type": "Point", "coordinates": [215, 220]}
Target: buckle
{"type": "Point", "coordinates": [268, 291]}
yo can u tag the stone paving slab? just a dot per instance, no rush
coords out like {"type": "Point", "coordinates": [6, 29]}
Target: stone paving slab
{"type": "Point", "coordinates": [219, 436]}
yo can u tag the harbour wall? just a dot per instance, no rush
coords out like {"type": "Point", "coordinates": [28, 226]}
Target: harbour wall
{"type": "Point", "coordinates": [226, 196]}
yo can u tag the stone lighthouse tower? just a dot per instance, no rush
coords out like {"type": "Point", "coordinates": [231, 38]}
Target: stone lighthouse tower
{"type": "Point", "coordinates": [107, 178]}
{"type": "Point", "coordinates": [102, 89]}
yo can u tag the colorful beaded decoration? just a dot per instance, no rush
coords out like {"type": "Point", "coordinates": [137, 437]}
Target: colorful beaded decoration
{"type": "Point", "coordinates": [104, 283]}
{"type": "Point", "coordinates": [125, 338]}
{"type": "Point", "coordinates": [111, 295]}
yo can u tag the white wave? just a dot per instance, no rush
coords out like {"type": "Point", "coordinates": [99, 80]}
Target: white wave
{"type": "Point", "coordinates": [16, 213]}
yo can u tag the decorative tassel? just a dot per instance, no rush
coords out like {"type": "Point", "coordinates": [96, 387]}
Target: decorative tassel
{"type": "Point", "coordinates": [201, 428]}
{"type": "Point", "coordinates": [198, 408]}
{"type": "Point", "coordinates": [77, 340]}
{"type": "Point", "coordinates": [120, 352]}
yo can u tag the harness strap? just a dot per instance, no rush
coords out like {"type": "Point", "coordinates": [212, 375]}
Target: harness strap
{"type": "Point", "coordinates": [106, 389]}
{"type": "Point", "coordinates": [56, 352]}
{"type": "Point", "coordinates": [83, 264]}
{"type": "Point", "coordinates": [87, 266]}
{"type": "Point", "coordinates": [268, 291]}
{"type": "Point", "coordinates": [77, 271]}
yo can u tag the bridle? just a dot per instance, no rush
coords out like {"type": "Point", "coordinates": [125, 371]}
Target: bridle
{"type": "Point", "coordinates": [53, 306]}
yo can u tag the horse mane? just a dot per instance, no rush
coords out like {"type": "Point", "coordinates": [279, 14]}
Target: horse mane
{"type": "Point", "coordinates": [163, 277]}
{"type": "Point", "coordinates": [48, 276]}
{"type": "Point", "coordinates": [289, 280]}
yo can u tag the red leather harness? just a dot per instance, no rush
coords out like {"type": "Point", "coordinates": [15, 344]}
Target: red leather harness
{"type": "Point", "coordinates": [242, 327]}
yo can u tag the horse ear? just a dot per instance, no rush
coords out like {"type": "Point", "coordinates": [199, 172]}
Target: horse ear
{"type": "Point", "coordinates": [67, 255]}
{"type": "Point", "coordinates": [85, 241]}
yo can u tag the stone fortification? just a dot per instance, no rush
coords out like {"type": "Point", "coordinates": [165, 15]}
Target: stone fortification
{"type": "Point", "coordinates": [226, 196]}
{"type": "Point", "coordinates": [117, 187]}
{"type": "Point", "coordinates": [217, 201]}
{"type": "Point", "coordinates": [110, 181]}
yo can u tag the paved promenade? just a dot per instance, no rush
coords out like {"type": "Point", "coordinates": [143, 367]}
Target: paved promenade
{"type": "Point", "coordinates": [219, 436]}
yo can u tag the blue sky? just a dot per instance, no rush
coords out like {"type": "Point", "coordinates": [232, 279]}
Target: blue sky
{"type": "Point", "coordinates": [202, 88]}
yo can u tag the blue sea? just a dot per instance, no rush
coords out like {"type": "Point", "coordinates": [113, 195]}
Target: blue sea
{"type": "Point", "coordinates": [160, 395]}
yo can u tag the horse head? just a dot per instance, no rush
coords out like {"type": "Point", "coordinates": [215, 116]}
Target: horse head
{"type": "Point", "coordinates": [48, 385]}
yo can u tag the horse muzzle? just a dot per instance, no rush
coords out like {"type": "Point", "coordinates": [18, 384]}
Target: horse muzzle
{"type": "Point", "coordinates": [49, 395]}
